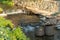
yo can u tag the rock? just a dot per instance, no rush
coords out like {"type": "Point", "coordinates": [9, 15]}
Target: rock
{"type": "Point", "coordinates": [40, 6]}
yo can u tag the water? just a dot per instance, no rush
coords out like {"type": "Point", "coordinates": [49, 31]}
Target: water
{"type": "Point", "coordinates": [30, 30]}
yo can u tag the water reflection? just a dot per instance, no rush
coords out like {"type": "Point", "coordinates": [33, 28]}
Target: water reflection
{"type": "Point", "coordinates": [29, 30]}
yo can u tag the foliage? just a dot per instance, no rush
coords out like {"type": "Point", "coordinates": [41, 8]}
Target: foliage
{"type": "Point", "coordinates": [5, 23]}
{"type": "Point", "coordinates": [19, 34]}
{"type": "Point", "coordinates": [7, 2]}
{"type": "Point", "coordinates": [6, 33]}
{"type": "Point", "coordinates": [1, 10]}
{"type": "Point", "coordinates": [5, 5]}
